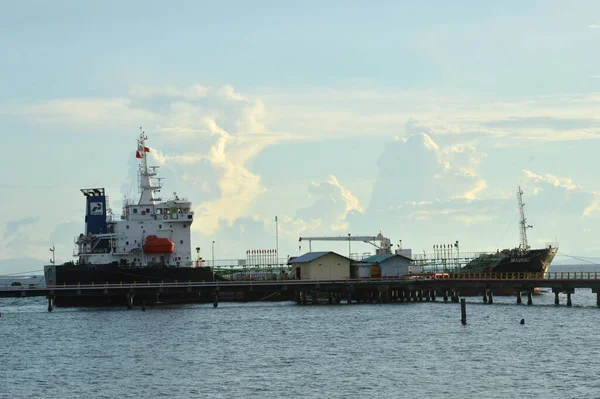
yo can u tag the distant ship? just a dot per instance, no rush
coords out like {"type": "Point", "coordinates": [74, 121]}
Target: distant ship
{"type": "Point", "coordinates": [519, 262]}
{"type": "Point", "coordinates": [149, 242]}
{"type": "Point", "coordinates": [522, 259]}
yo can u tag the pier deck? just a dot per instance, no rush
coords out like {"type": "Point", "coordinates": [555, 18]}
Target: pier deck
{"type": "Point", "coordinates": [382, 289]}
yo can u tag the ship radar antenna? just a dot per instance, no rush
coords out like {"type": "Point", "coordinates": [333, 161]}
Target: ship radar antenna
{"type": "Point", "coordinates": [523, 226]}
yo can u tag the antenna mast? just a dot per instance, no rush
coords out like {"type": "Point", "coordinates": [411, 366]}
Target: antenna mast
{"type": "Point", "coordinates": [523, 226]}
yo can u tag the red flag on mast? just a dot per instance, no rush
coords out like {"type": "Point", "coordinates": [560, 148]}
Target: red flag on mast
{"type": "Point", "coordinates": [138, 154]}
{"type": "Point", "coordinates": [146, 149]}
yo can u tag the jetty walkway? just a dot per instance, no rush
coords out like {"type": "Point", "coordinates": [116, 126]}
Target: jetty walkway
{"type": "Point", "coordinates": [424, 287]}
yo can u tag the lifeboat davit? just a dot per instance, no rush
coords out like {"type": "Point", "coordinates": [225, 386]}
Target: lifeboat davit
{"type": "Point", "coordinates": [156, 245]}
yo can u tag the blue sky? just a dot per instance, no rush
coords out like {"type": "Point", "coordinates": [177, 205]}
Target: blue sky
{"type": "Point", "coordinates": [415, 119]}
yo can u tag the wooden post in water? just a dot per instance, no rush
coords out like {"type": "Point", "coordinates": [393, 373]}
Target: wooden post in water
{"type": "Point", "coordinates": [463, 312]}
{"type": "Point", "coordinates": [519, 301]}
{"type": "Point", "coordinates": [484, 296]}
{"type": "Point", "coordinates": [50, 303]}
{"type": "Point", "coordinates": [569, 303]}
{"type": "Point", "coordinates": [529, 298]}
{"type": "Point", "coordinates": [490, 297]}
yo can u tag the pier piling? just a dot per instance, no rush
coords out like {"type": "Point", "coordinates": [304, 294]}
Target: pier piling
{"type": "Point", "coordinates": [463, 312]}
{"type": "Point", "coordinates": [519, 300]}
{"type": "Point", "coordinates": [50, 303]}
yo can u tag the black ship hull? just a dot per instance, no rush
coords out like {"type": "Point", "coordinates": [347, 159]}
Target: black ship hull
{"type": "Point", "coordinates": [72, 274]}
{"type": "Point", "coordinates": [531, 263]}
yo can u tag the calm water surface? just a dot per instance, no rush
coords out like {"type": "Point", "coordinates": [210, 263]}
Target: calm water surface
{"type": "Point", "coordinates": [283, 350]}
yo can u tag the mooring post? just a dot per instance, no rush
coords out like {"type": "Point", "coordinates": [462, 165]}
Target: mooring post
{"type": "Point", "coordinates": [216, 300]}
{"type": "Point", "coordinates": [519, 300]}
{"type": "Point", "coordinates": [490, 297]}
{"type": "Point", "coordinates": [50, 303]}
{"type": "Point", "coordinates": [556, 300]}
{"type": "Point", "coordinates": [445, 295]}
{"type": "Point", "coordinates": [433, 295]}
{"type": "Point", "coordinates": [598, 298]}
{"type": "Point", "coordinates": [463, 311]}
{"type": "Point", "coordinates": [144, 305]}
{"type": "Point", "coordinates": [569, 303]}
{"type": "Point", "coordinates": [485, 296]}
{"type": "Point", "coordinates": [529, 298]}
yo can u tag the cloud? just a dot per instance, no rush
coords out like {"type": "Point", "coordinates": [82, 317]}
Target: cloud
{"type": "Point", "coordinates": [16, 239]}
{"type": "Point", "coordinates": [564, 182]}
{"type": "Point", "coordinates": [563, 192]}
{"type": "Point", "coordinates": [331, 207]}
{"type": "Point", "coordinates": [447, 172]}
{"type": "Point", "coordinates": [203, 137]}
{"type": "Point", "coordinates": [594, 26]}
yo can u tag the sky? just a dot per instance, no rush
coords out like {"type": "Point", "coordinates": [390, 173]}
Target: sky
{"type": "Point", "coordinates": [418, 120]}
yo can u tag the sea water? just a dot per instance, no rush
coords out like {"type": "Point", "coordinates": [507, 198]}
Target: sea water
{"type": "Point", "coordinates": [276, 350]}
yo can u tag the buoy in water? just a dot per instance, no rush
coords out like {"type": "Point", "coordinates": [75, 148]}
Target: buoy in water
{"type": "Point", "coordinates": [522, 321]}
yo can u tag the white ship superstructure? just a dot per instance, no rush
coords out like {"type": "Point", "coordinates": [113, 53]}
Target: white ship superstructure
{"type": "Point", "coordinates": [150, 233]}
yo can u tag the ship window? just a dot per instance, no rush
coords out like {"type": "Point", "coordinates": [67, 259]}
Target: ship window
{"type": "Point", "coordinates": [181, 241]}
{"type": "Point", "coordinates": [147, 210]}
{"type": "Point", "coordinates": [134, 210]}
{"type": "Point", "coordinates": [126, 242]}
{"type": "Point", "coordinates": [184, 226]}
{"type": "Point", "coordinates": [127, 226]}
{"type": "Point", "coordinates": [159, 211]}
{"type": "Point", "coordinates": [160, 226]}
{"type": "Point", "coordinates": [189, 216]}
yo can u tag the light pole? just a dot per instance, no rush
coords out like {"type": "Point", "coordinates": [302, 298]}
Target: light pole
{"type": "Point", "coordinates": [213, 260]}
{"type": "Point", "coordinates": [276, 241]}
{"type": "Point", "coordinates": [349, 250]}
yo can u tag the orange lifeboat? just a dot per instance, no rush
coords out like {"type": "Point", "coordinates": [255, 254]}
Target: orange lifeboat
{"type": "Point", "coordinates": [156, 245]}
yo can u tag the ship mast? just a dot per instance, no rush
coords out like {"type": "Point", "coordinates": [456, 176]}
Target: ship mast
{"type": "Point", "coordinates": [523, 226]}
{"type": "Point", "coordinates": [146, 173]}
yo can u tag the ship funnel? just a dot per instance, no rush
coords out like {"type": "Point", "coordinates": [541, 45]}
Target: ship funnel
{"type": "Point", "coordinates": [95, 213]}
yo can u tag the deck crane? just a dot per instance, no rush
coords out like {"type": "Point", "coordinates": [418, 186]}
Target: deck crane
{"type": "Point", "coordinates": [384, 247]}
